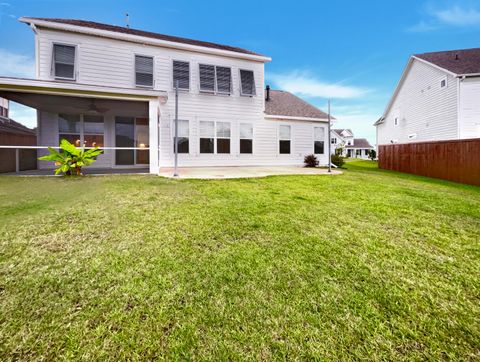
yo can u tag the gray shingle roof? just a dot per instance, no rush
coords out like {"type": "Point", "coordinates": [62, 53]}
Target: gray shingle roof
{"type": "Point", "coordinates": [147, 34]}
{"type": "Point", "coordinates": [360, 143]}
{"type": "Point", "coordinates": [462, 61]}
{"type": "Point", "coordinates": [283, 103]}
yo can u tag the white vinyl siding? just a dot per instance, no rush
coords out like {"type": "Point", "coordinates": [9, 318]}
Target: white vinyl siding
{"type": "Point", "coordinates": [64, 61]}
{"type": "Point", "coordinates": [469, 108]}
{"type": "Point", "coordinates": [143, 71]}
{"type": "Point", "coordinates": [181, 73]}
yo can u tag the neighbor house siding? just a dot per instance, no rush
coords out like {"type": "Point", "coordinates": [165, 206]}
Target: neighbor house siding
{"type": "Point", "coordinates": [469, 108]}
{"type": "Point", "coordinates": [422, 107]}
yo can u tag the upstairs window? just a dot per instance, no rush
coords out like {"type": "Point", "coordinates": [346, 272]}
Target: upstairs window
{"type": "Point", "coordinates": [181, 73]}
{"type": "Point", "coordinates": [247, 83]}
{"type": "Point", "coordinates": [215, 79]}
{"type": "Point", "coordinates": [143, 71]}
{"type": "Point", "coordinates": [284, 135]}
{"type": "Point", "coordinates": [443, 83]}
{"type": "Point", "coordinates": [64, 61]}
{"type": "Point", "coordinates": [319, 141]}
{"type": "Point", "coordinates": [207, 78]}
{"type": "Point", "coordinates": [334, 141]}
{"type": "Point", "coordinates": [246, 138]}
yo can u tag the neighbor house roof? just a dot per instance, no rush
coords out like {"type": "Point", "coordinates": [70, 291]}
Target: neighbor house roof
{"type": "Point", "coordinates": [460, 62]}
{"type": "Point", "coordinates": [142, 33]}
{"type": "Point", "coordinates": [8, 125]}
{"type": "Point", "coordinates": [360, 143]}
{"type": "Point", "coordinates": [286, 104]}
{"type": "Point", "coordinates": [339, 131]}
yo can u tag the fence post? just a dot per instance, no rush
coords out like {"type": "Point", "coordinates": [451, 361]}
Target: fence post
{"type": "Point", "coordinates": [17, 160]}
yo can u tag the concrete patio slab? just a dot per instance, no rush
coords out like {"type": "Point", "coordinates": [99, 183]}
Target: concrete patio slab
{"type": "Point", "coordinates": [242, 172]}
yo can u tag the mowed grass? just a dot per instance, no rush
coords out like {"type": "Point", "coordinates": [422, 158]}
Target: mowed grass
{"type": "Point", "coordinates": [369, 265]}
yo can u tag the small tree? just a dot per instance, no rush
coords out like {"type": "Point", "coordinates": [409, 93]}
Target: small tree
{"type": "Point", "coordinates": [71, 159]}
{"type": "Point", "coordinates": [337, 160]}
{"type": "Point", "coordinates": [372, 154]}
{"type": "Point", "coordinates": [310, 161]}
{"type": "Point", "coordinates": [339, 151]}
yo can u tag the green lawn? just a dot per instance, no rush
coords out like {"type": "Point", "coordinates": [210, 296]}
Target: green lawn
{"type": "Point", "coordinates": [366, 265]}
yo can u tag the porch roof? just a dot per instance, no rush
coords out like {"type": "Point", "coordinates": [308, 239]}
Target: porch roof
{"type": "Point", "coordinates": [36, 86]}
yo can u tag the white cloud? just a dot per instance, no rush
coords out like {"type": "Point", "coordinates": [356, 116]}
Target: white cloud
{"type": "Point", "coordinates": [453, 16]}
{"type": "Point", "coordinates": [303, 84]}
{"type": "Point", "coordinates": [16, 65]}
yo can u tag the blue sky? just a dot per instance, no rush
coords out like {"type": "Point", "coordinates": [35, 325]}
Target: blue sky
{"type": "Point", "coordinates": [350, 51]}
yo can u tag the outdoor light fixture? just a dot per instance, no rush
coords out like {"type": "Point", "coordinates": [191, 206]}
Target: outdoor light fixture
{"type": "Point", "coordinates": [142, 145]}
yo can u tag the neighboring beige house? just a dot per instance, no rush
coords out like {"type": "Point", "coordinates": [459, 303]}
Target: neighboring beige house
{"type": "Point", "coordinates": [351, 147]}
{"type": "Point", "coordinates": [437, 98]}
{"type": "Point", "coordinates": [114, 87]}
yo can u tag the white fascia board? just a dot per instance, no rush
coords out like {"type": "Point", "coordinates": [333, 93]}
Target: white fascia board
{"type": "Point", "coordinates": [143, 39]}
{"type": "Point", "coordinates": [25, 85]}
{"type": "Point", "coordinates": [290, 118]}
{"type": "Point", "coordinates": [435, 66]}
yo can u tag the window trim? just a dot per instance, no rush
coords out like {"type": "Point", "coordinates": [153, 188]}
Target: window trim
{"type": "Point", "coordinates": [215, 137]}
{"type": "Point", "coordinates": [240, 81]}
{"type": "Point", "coordinates": [189, 75]}
{"type": "Point", "coordinates": [278, 139]}
{"type": "Point", "coordinates": [75, 61]}
{"type": "Point", "coordinates": [172, 132]}
{"type": "Point", "coordinates": [135, 71]}
{"type": "Point", "coordinates": [253, 138]}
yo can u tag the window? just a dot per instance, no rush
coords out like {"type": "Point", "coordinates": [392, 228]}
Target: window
{"type": "Point", "coordinates": [207, 136]}
{"type": "Point", "coordinates": [443, 83]}
{"type": "Point", "coordinates": [247, 83]}
{"type": "Point", "coordinates": [3, 112]}
{"type": "Point", "coordinates": [223, 137]}
{"type": "Point", "coordinates": [183, 136]}
{"type": "Point", "coordinates": [93, 131]}
{"type": "Point", "coordinates": [131, 133]}
{"type": "Point", "coordinates": [246, 138]}
{"type": "Point", "coordinates": [181, 73]}
{"type": "Point", "coordinates": [207, 78]}
{"type": "Point", "coordinates": [284, 133]}
{"type": "Point", "coordinates": [358, 152]}
{"type": "Point", "coordinates": [143, 71]}
{"type": "Point", "coordinates": [69, 127]}
{"type": "Point", "coordinates": [319, 137]}
{"type": "Point", "coordinates": [367, 152]}
{"type": "Point", "coordinates": [395, 122]}
{"type": "Point", "coordinates": [81, 130]}
{"type": "Point", "coordinates": [334, 141]}
{"type": "Point", "coordinates": [214, 139]}
{"type": "Point", "coordinates": [215, 79]}
{"type": "Point", "coordinates": [64, 61]}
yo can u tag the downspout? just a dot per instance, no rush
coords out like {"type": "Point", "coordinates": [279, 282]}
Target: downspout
{"type": "Point", "coordinates": [37, 47]}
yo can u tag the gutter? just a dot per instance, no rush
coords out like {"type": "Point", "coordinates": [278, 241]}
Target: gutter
{"type": "Point", "coordinates": [142, 39]}
{"type": "Point", "coordinates": [292, 118]}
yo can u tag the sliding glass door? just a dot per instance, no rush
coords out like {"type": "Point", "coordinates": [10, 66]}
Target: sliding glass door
{"type": "Point", "coordinates": [131, 132]}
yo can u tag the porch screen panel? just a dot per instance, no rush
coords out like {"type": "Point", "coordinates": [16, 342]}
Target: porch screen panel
{"type": "Point", "coordinates": [143, 71]}
{"type": "Point", "coordinates": [142, 141]}
{"type": "Point", "coordinates": [69, 128]}
{"type": "Point", "coordinates": [181, 73]}
{"type": "Point", "coordinates": [207, 136]}
{"type": "Point", "coordinates": [124, 137]}
{"type": "Point", "coordinates": [93, 128]}
{"type": "Point", "coordinates": [207, 78]}
{"type": "Point", "coordinates": [319, 140]}
{"type": "Point", "coordinates": [64, 61]}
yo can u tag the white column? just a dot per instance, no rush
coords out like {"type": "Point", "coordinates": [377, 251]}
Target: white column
{"type": "Point", "coordinates": [154, 116]}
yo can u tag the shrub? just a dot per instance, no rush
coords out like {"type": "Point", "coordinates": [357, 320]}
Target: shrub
{"type": "Point", "coordinates": [337, 160]}
{"type": "Point", "coordinates": [372, 154]}
{"type": "Point", "coordinates": [310, 161]}
{"type": "Point", "coordinates": [71, 159]}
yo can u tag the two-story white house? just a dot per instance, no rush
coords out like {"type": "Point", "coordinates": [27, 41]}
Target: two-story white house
{"type": "Point", "coordinates": [114, 87]}
{"type": "Point", "coordinates": [344, 142]}
{"type": "Point", "coordinates": [437, 98]}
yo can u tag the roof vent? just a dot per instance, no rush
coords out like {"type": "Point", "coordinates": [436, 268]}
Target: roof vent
{"type": "Point", "coordinates": [456, 56]}
{"type": "Point", "coordinates": [267, 98]}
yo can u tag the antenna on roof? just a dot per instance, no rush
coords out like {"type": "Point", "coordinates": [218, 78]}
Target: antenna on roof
{"type": "Point", "coordinates": [127, 20]}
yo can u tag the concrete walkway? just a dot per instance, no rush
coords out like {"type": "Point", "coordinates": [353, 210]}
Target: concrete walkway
{"type": "Point", "coordinates": [242, 172]}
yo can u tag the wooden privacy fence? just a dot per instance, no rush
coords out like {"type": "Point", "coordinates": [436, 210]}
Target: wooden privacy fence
{"type": "Point", "coordinates": [456, 160]}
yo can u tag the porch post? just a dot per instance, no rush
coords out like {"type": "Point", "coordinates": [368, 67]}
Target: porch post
{"type": "Point", "coordinates": [153, 131]}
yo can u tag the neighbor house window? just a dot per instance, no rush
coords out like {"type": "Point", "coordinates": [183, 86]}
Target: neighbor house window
{"type": "Point", "coordinates": [3, 111]}
{"type": "Point", "coordinates": [181, 73]}
{"type": "Point", "coordinates": [207, 137]}
{"type": "Point", "coordinates": [358, 152]}
{"type": "Point", "coordinates": [319, 137]}
{"type": "Point", "coordinates": [366, 152]}
{"type": "Point", "coordinates": [143, 71]}
{"type": "Point", "coordinates": [334, 141]}
{"type": "Point", "coordinates": [443, 83]}
{"type": "Point", "coordinates": [223, 137]}
{"type": "Point", "coordinates": [64, 61]}
{"type": "Point", "coordinates": [246, 138]}
{"type": "Point", "coordinates": [247, 83]}
{"type": "Point", "coordinates": [215, 79]}
{"type": "Point", "coordinates": [183, 136]}
{"type": "Point", "coordinates": [81, 130]}
{"type": "Point", "coordinates": [396, 121]}
{"type": "Point", "coordinates": [284, 135]}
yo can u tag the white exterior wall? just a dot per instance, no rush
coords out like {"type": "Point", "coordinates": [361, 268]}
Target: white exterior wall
{"type": "Point", "coordinates": [422, 107]}
{"type": "Point", "coordinates": [469, 108]}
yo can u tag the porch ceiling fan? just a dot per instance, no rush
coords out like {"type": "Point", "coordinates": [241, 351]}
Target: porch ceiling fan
{"type": "Point", "coordinates": [93, 109]}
